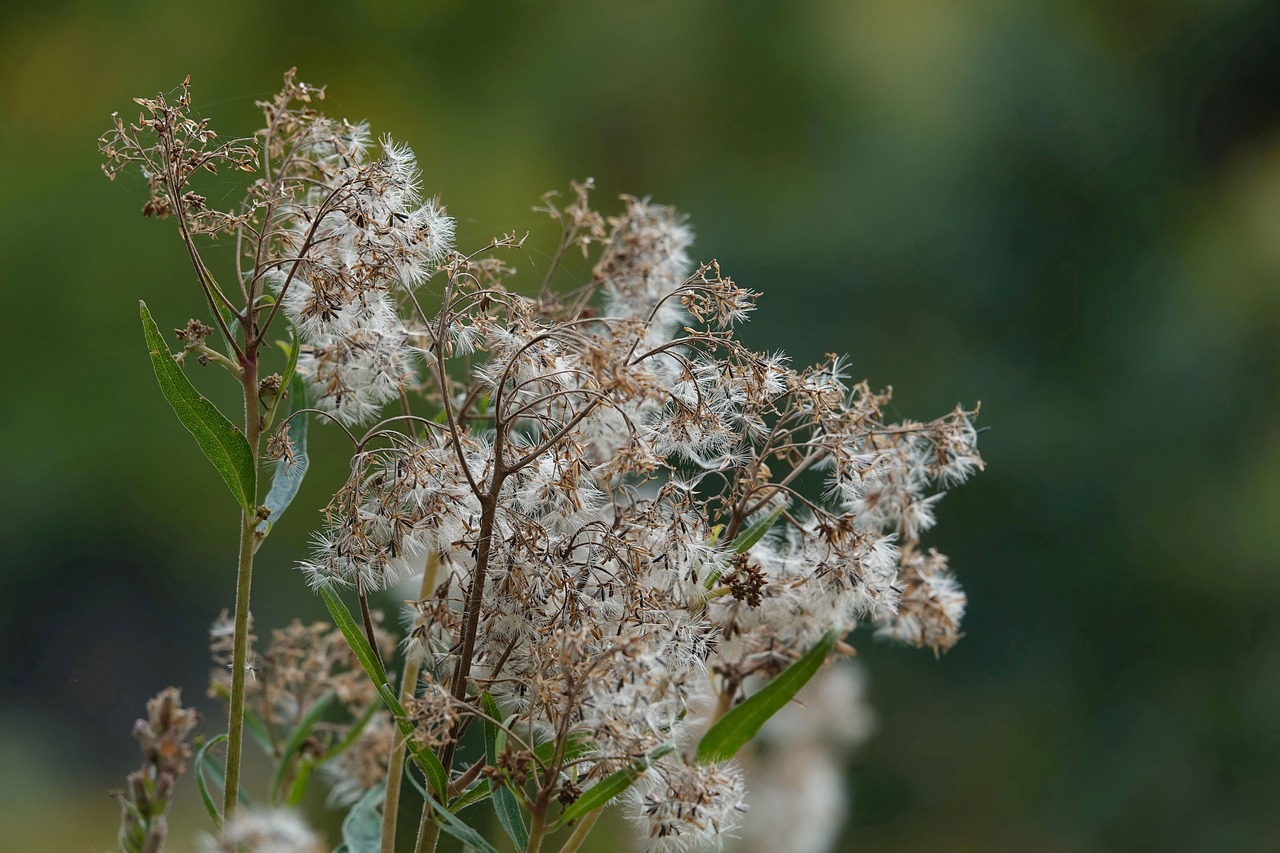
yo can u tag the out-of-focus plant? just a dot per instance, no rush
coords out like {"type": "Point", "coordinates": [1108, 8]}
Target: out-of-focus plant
{"type": "Point", "coordinates": [597, 491]}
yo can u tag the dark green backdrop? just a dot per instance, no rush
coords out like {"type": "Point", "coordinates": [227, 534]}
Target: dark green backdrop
{"type": "Point", "coordinates": [1068, 210]}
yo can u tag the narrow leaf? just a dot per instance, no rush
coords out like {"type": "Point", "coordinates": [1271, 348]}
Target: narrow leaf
{"type": "Point", "coordinates": [201, 757]}
{"type": "Point", "coordinates": [206, 763]}
{"type": "Point", "coordinates": [298, 787]}
{"type": "Point", "coordinates": [221, 441]}
{"type": "Point", "coordinates": [287, 477]}
{"type": "Point", "coordinates": [742, 544]}
{"type": "Point", "coordinates": [755, 532]}
{"type": "Point", "coordinates": [362, 827]}
{"type": "Point", "coordinates": [364, 653]}
{"type": "Point", "coordinates": [610, 787]}
{"type": "Point", "coordinates": [454, 826]}
{"type": "Point", "coordinates": [352, 735]}
{"type": "Point", "coordinates": [291, 348]}
{"type": "Point", "coordinates": [258, 731]}
{"type": "Point", "coordinates": [476, 794]}
{"type": "Point", "coordinates": [575, 748]}
{"type": "Point", "coordinates": [449, 821]}
{"type": "Point", "coordinates": [504, 801]}
{"type": "Point", "coordinates": [723, 740]}
{"type": "Point", "coordinates": [295, 742]}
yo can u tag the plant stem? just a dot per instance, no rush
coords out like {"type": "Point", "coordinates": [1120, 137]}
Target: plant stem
{"type": "Point", "coordinates": [537, 826]}
{"type": "Point", "coordinates": [244, 578]}
{"type": "Point", "coordinates": [581, 831]}
{"type": "Point", "coordinates": [428, 832]}
{"type": "Point", "coordinates": [408, 686]}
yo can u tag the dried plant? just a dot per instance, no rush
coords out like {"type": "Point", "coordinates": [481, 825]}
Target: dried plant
{"type": "Point", "coordinates": [162, 737]}
{"type": "Point", "coordinates": [598, 493]}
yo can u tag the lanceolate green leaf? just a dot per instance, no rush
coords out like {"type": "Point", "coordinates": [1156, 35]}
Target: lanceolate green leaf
{"type": "Point", "coordinates": [723, 740]}
{"type": "Point", "coordinates": [346, 623]}
{"type": "Point", "coordinates": [288, 475]}
{"type": "Point", "coordinates": [504, 801]}
{"type": "Point", "coordinates": [222, 442]}
{"type": "Point", "coordinates": [755, 532]}
{"type": "Point", "coordinates": [611, 786]}
{"type": "Point", "coordinates": [742, 544]}
{"type": "Point", "coordinates": [296, 740]}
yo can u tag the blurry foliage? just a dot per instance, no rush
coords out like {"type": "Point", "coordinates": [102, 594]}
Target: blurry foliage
{"type": "Point", "coordinates": [1074, 207]}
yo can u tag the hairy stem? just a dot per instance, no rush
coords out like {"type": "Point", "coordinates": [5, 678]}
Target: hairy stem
{"type": "Point", "coordinates": [408, 684]}
{"type": "Point", "coordinates": [428, 832]}
{"type": "Point", "coordinates": [244, 578]}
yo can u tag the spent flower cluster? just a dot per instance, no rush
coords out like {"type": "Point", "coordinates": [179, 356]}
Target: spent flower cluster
{"type": "Point", "coordinates": [598, 499]}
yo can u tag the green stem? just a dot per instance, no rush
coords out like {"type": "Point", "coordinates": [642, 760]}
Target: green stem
{"type": "Point", "coordinates": [581, 831]}
{"type": "Point", "coordinates": [408, 686]}
{"type": "Point", "coordinates": [537, 826]}
{"type": "Point", "coordinates": [244, 578]}
{"type": "Point", "coordinates": [428, 832]}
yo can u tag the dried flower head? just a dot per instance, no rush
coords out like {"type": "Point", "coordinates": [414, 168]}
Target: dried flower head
{"type": "Point", "coordinates": [603, 489]}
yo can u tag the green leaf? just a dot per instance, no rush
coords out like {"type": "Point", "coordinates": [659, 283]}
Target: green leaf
{"type": "Point", "coordinates": [723, 740]}
{"type": "Point", "coordinates": [449, 822]}
{"type": "Point", "coordinates": [207, 763]}
{"type": "Point", "coordinates": [290, 348]}
{"type": "Point", "coordinates": [504, 801]}
{"type": "Point", "coordinates": [742, 544]}
{"type": "Point", "coordinates": [362, 827]}
{"type": "Point", "coordinates": [353, 734]}
{"type": "Point", "coordinates": [454, 825]}
{"type": "Point", "coordinates": [295, 742]}
{"type": "Point", "coordinates": [258, 731]}
{"type": "Point", "coordinates": [298, 787]}
{"type": "Point", "coordinates": [364, 653]}
{"type": "Point", "coordinates": [756, 532]}
{"type": "Point", "coordinates": [288, 477]}
{"type": "Point", "coordinates": [610, 787]}
{"type": "Point", "coordinates": [201, 757]}
{"type": "Point", "coordinates": [221, 441]}
{"type": "Point", "coordinates": [575, 748]}
{"type": "Point", "coordinates": [476, 794]}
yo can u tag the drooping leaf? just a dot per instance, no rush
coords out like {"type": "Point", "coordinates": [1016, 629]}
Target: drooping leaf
{"type": "Point", "coordinates": [206, 763]}
{"type": "Point", "coordinates": [455, 826]}
{"type": "Point", "coordinates": [209, 804]}
{"type": "Point", "coordinates": [222, 442]}
{"type": "Point", "coordinates": [364, 653]}
{"type": "Point", "coordinates": [287, 477]}
{"type": "Point", "coordinates": [362, 827]}
{"type": "Point", "coordinates": [604, 791]}
{"type": "Point", "coordinates": [504, 801]}
{"type": "Point", "coordinates": [723, 740]}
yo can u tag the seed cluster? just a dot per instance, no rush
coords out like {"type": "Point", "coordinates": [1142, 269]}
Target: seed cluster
{"type": "Point", "coordinates": [605, 499]}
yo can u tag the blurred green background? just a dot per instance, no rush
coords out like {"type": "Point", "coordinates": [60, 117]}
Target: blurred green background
{"type": "Point", "coordinates": [1068, 210]}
